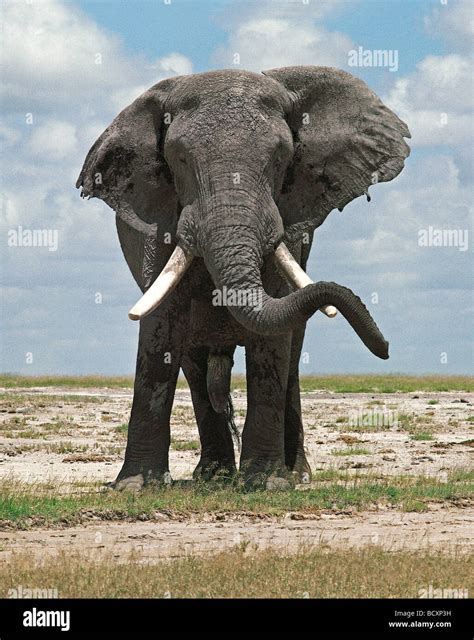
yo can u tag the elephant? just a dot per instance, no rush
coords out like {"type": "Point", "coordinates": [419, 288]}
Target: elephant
{"type": "Point", "coordinates": [218, 181]}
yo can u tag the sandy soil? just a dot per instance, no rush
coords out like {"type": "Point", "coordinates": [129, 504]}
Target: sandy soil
{"type": "Point", "coordinates": [447, 530]}
{"type": "Point", "coordinates": [82, 442]}
{"type": "Point", "coordinates": [327, 418]}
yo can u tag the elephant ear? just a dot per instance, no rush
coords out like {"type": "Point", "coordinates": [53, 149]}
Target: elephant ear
{"type": "Point", "coordinates": [346, 140]}
{"type": "Point", "coordinates": [126, 169]}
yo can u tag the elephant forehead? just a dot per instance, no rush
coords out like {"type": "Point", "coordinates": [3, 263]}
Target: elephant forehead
{"type": "Point", "coordinates": [229, 88]}
{"type": "Point", "coordinates": [228, 121]}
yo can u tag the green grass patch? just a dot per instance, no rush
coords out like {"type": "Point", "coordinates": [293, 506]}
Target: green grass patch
{"type": "Point", "coordinates": [80, 382]}
{"type": "Point", "coordinates": [417, 506]}
{"type": "Point", "coordinates": [31, 401]}
{"type": "Point", "coordinates": [461, 475]}
{"type": "Point", "coordinates": [351, 451]}
{"type": "Point", "coordinates": [185, 445]}
{"type": "Point", "coordinates": [422, 435]}
{"type": "Point", "coordinates": [337, 383]}
{"type": "Point", "coordinates": [417, 426]}
{"type": "Point", "coordinates": [19, 428]}
{"type": "Point", "coordinates": [386, 384]}
{"type": "Point", "coordinates": [26, 504]}
{"type": "Point", "coordinates": [122, 428]}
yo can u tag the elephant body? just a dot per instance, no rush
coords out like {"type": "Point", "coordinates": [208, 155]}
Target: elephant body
{"type": "Point", "coordinates": [221, 168]}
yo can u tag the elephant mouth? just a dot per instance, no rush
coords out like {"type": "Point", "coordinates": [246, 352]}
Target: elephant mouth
{"type": "Point", "coordinates": [273, 315]}
{"type": "Point", "coordinates": [179, 263]}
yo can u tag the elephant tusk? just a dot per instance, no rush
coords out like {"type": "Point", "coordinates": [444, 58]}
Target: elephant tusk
{"type": "Point", "coordinates": [296, 275]}
{"type": "Point", "coordinates": [172, 273]}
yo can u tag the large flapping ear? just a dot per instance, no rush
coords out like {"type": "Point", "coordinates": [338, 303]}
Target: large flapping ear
{"type": "Point", "coordinates": [126, 169]}
{"type": "Point", "coordinates": [346, 140]}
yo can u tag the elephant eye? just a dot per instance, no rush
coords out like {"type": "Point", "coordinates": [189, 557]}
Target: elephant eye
{"type": "Point", "coordinates": [182, 158]}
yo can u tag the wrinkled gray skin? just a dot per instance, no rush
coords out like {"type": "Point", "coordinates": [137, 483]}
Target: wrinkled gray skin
{"type": "Point", "coordinates": [228, 164]}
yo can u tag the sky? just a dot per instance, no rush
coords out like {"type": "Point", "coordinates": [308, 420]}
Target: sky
{"type": "Point", "coordinates": [70, 67]}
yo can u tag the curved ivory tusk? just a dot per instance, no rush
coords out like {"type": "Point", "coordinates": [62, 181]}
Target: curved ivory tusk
{"type": "Point", "coordinates": [295, 274]}
{"type": "Point", "coordinates": [172, 273]}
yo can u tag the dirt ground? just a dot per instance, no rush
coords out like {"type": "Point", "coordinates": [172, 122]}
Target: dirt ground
{"type": "Point", "coordinates": [448, 530]}
{"type": "Point", "coordinates": [64, 435]}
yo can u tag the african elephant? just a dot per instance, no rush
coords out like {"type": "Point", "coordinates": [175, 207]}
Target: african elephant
{"type": "Point", "coordinates": [218, 181]}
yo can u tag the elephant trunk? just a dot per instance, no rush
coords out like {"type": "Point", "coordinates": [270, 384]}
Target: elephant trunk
{"type": "Point", "coordinates": [234, 254]}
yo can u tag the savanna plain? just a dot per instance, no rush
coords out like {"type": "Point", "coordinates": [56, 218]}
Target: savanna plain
{"type": "Point", "coordinates": [389, 511]}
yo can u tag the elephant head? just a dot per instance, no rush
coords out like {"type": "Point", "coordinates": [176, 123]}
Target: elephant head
{"type": "Point", "coordinates": [226, 165]}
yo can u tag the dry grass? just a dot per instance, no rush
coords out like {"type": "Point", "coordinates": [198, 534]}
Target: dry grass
{"type": "Point", "coordinates": [62, 448]}
{"type": "Point", "coordinates": [245, 573]}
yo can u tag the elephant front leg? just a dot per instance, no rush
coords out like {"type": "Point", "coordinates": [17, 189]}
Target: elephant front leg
{"type": "Point", "coordinates": [263, 439]}
{"type": "Point", "coordinates": [295, 457]}
{"type": "Point", "coordinates": [217, 447]}
{"type": "Point", "coordinates": [158, 361]}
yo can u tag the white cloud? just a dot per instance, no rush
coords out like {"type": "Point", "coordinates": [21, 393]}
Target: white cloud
{"type": "Point", "coordinates": [170, 65]}
{"type": "Point", "coordinates": [455, 22]}
{"type": "Point", "coordinates": [8, 135]}
{"type": "Point", "coordinates": [54, 55]}
{"type": "Point", "coordinates": [173, 64]}
{"type": "Point", "coordinates": [446, 79]}
{"type": "Point", "coordinates": [51, 52]}
{"type": "Point", "coordinates": [55, 140]}
{"type": "Point", "coordinates": [436, 100]}
{"type": "Point", "coordinates": [277, 34]}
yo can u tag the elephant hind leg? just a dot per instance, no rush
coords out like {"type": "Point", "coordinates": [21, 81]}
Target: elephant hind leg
{"type": "Point", "coordinates": [262, 461]}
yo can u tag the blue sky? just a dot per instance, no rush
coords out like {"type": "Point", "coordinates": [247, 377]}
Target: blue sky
{"type": "Point", "coordinates": [199, 27]}
{"type": "Point", "coordinates": [51, 321]}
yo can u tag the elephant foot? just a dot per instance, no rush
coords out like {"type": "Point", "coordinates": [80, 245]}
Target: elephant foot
{"type": "Point", "coordinates": [271, 477]}
{"type": "Point", "coordinates": [301, 470]}
{"type": "Point", "coordinates": [276, 483]}
{"type": "Point", "coordinates": [134, 478]}
{"type": "Point", "coordinates": [132, 484]}
{"type": "Point", "coordinates": [209, 469]}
